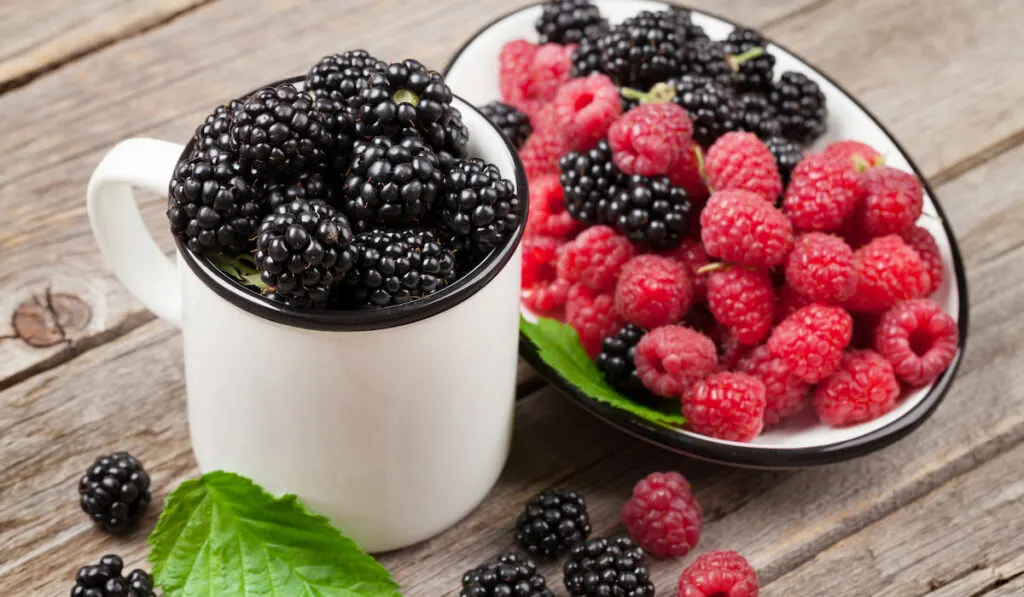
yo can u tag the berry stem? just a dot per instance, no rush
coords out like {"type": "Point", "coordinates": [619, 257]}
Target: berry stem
{"type": "Point", "coordinates": [736, 60]}
{"type": "Point", "coordinates": [661, 93]}
{"type": "Point", "coordinates": [404, 96]}
{"type": "Point", "coordinates": [718, 266]}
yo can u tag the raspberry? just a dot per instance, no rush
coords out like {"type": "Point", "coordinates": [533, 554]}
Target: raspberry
{"type": "Point", "coordinates": [671, 358]}
{"type": "Point", "coordinates": [686, 173]}
{"type": "Point", "coordinates": [863, 388]}
{"type": "Point", "coordinates": [547, 214]}
{"type": "Point", "coordinates": [653, 291]}
{"type": "Point", "coordinates": [854, 154]}
{"type": "Point", "coordinates": [595, 258]}
{"type": "Point", "coordinates": [730, 350]}
{"type": "Point", "coordinates": [541, 152]}
{"type": "Point", "coordinates": [785, 393]}
{"type": "Point", "coordinates": [513, 62]}
{"type": "Point", "coordinates": [648, 139]}
{"type": "Point", "coordinates": [719, 574]}
{"type": "Point", "coordinates": [892, 200]}
{"type": "Point", "coordinates": [864, 326]}
{"type": "Point", "coordinates": [822, 192]}
{"type": "Point", "coordinates": [662, 516]}
{"type": "Point", "coordinates": [821, 268]}
{"type": "Point", "coordinates": [742, 161]}
{"type": "Point", "coordinates": [593, 316]}
{"type": "Point", "coordinates": [923, 242]}
{"type": "Point", "coordinates": [743, 301]}
{"type": "Point", "coordinates": [530, 75]}
{"type": "Point", "coordinates": [888, 271]}
{"type": "Point", "coordinates": [788, 302]}
{"type": "Point", "coordinates": [542, 290]}
{"type": "Point", "coordinates": [811, 340]}
{"type": "Point", "coordinates": [919, 339]}
{"type": "Point", "coordinates": [727, 406]}
{"type": "Point", "coordinates": [741, 228]}
{"type": "Point", "coordinates": [585, 108]}
{"type": "Point", "coordinates": [691, 253]}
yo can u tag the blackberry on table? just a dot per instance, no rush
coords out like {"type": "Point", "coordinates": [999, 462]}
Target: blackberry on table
{"type": "Point", "coordinates": [405, 94]}
{"type": "Point", "coordinates": [787, 155]}
{"type": "Point", "coordinates": [395, 267]}
{"type": "Point", "coordinates": [507, 576]}
{"type": "Point", "coordinates": [650, 212]}
{"type": "Point", "coordinates": [712, 107]}
{"type": "Point", "coordinates": [106, 579]}
{"type": "Point", "coordinates": [569, 22]}
{"type": "Point", "coordinates": [643, 50]}
{"type": "Point", "coordinates": [801, 107]}
{"type": "Point", "coordinates": [757, 115]}
{"type": "Point", "coordinates": [312, 186]}
{"type": "Point", "coordinates": [754, 74]}
{"type": "Point", "coordinates": [302, 249]}
{"type": "Point", "coordinates": [213, 206]}
{"type": "Point", "coordinates": [212, 140]}
{"type": "Point", "coordinates": [389, 182]}
{"type": "Point", "coordinates": [115, 492]}
{"type": "Point", "coordinates": [706, 58]}
{"type": "Point", "coordinates": [342, 77]}
{"type": "Point", "coordinates": [509, 120]}
{"type": "Point", "coordinates": [586, 59]}
{"type": "Point", "coordinates": [608, 567]}
{"type": "Point", "coordinates": [552, 522]}
{"type": "Point", "coordinates": [616, 362]}
{"type": "Point", "coordinates": [589, 180]}
{"type": "Point", "coordinates": [479, 208]}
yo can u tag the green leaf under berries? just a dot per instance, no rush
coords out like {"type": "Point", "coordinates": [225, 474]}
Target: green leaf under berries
{"type": "Point", "coordinates": [241, 268]}
{"type": "Point", "coordinates": [223, 535]}
{"type": "Point", "coordinates": [559, 346]}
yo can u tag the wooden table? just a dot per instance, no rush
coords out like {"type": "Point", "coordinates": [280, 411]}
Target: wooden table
{"type": "Point", "coordinates": [84, 369]}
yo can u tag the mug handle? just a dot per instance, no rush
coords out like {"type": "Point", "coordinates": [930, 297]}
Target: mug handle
{"type": "Point", "coordinates": [126, 244]}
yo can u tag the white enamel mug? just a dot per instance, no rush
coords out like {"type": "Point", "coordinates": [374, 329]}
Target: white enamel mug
{"type": "Point", "coordinates": [393, 423]}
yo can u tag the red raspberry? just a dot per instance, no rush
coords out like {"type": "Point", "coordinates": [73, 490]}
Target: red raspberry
{"type": "Point", "coordinates": [653, 291]}
{"type": "Point", "coordinates": [741, 228]}
{"type": "Point", "coordinates": [547, 214]}
{"type": "Point", "coordinates": [919, 339]}
{"type": "Point", "coordinates": [730, 350]}
{"type": "Point", "coordinates": [650, 138]}
{"type": "Point", "coordinates": [595, 258]}
{"type": "Point", "coordinates": [855, 154]}
{"type": "Point", "coordinates": [785, 393]}
{"type": "Point", "coordinates": [541, 152]}
{"type": "Point", "coordinates": [663, 517]}
{"type": "Point", "coordinates": [727, 406]}
{"type": "Point", "coordinates": [686, 173]}
{"type": "Point", "coordinates": [822, 192]}
{"type": "Point", "coordinates": [788, 302]}
{"type": "Point", "coordinates": [743, 301]}
{"type": "Point", "coordinates": [892, 201]}
{"type": "Point", "coordinates": [888, 271]}
{"type": "Point", "coordinates": [593, 316]}
{"type": "Point", "coordinates": [671, 358]}
{"type": "Point", "coordinates": [585, 108]}
{"type": "Point", "coordinates": [811, 341]}
{"type": "Point", "coordinates": [821, 268]}
{"type": "Point", "coordinates": [923, 242]}
{"type": "Point", "coordinates": [863, 388]}
{"type": "Point", "coordinates": [719, 574]}
{"type": "Point", "coordinates": [542, 290]}
{"type": "Point", "coordinates": [530, 75]}
{"type": "Point", "coordinates": [513, 62]}
{"type": "Point", "coordinates": [691, 253]}
{"type": "Point", "coordinates": [742, 161]}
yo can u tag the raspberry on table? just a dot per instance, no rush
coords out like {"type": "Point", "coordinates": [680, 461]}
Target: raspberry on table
{"type": "Point", "coordinates": [547, 215]}
{"type": "Point", "coordinates": [647, 140]}
{"type": "Point", "coordinates": [922, 241]}
{"type": "Point", "coordinates": [820, 267]}
{"type": "Point", "coordinates": [552, 522]}
{"type": "Point", "coordinates": [595, 258]}
{"type": "Point", "coordinates": [787, 155]}
{"type": "Point", "coordinates": [726, 406]}
{"type": "Point", "coordinates": [507, 575]}
{"type": "Point", "coordinates": [892, 200]}
{"type": "Point", "coordinates": [541, 288]}
{"type": "Point", "coordinates": [822, 192]}
{"type": "Point", "coordinates": [589, 179]}
{"type": "Point", "coordinates": [585, 108]}
{"type": "Point", "coordinates": [662, 516]}
{"type": "Point", "coordinates": [740, 160]}
{"type": "Point", "coordinates": [719, 574]}
{"type": "Point", "coordinates": [855, 154]}
{"type": "Point", "coordinates": [863, 388]}
{"type": "Point", "coordinates": [604, 567]}
{"type": "Point", "coordinates": [616, 361]}
{"type": "Point", "coordinates": [691, 253]}
{"type": "Point", "coordinates": [593, 316]}
{"type": "Point", "coordinates": [801, 106]}
{"type": "Point", "coordinates": [653, 291]}
{"type": "Point", "coordinates": [541, 152]}
{"type": "Point", "coordinates": [515, 124]}
{"type": "Point", "coordinates": [888, 271]}
{"type": "Point", "coordinates": [918, 339]}
{"type": "Point", "coordinates": [671, 358]}
{"type": "Point", "coordinates": [743, 301]}
{"type": "Point", "coordinates": [649, 211]}
{"type": "Point", "coordinates": [811, 340]}
{"type": "Point", "coordinates": [788, 301]}
{"type": "Point", "coordinates": [785, 393]}
{"type": "Point", "coordinates": [743, 229]}
{"type": "Point", "coordinates": [529, 75]}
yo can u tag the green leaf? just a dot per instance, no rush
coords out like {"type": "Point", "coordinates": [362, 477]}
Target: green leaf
{"type": "Point", "coordinates": [223, 535]}
{"type": "Point", "coordinates": [242, 268]}
{"type": "Point", "coordinates": [559, 346]}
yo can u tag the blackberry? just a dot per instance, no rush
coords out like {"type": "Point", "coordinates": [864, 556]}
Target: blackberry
{"type": "Point", "coordinates": [607, 567]}
{"type": "Point", "coordinates": [684, 17]}
{"type": "Point", "coordinates": [754, 70]}
{"type": "Point", "coordinates": [570, 22]}
{"type": "Point", "coordinates": [706, 59]}
{"type": "Point", "coordinates": [757, 115]}
{"type": "Point", "coordinates": [509, 120]}
{"type": "Point", "coordinates": [801, 107]}
{"type": "Point", "coordinates": [277, 131]}
{"type": "Point", "coordinates": [342, 77]}
{"type": "Point", "coordinates": [644, 49]}
{"type": "Point", "coordinates": [507, 576]}
{"type": "Point", "coordinates": [449, 135]}
{"type": "Point", "coordinates": [589, 180]}
{"type": "Point", "coordinates": [787, 155]}
{"type": "Point", "coordinates": [312, 186]}
{"type": "Point", "coordinates": [213, 206]}
{"type": "Point", "coordinates": [404, 95]}
{"type": "Point", "coordinates": [106, 580]}
{"type": "Point", "coordinates": [391, 182]}
{"type": "Point", "coordinates": [395, 267]}
{"type": "Point", "coordinates": [212, 140]}
{"type": "Point", "coordinates": [115, 492]}
{"type": "Point", "coordinates": [302, 249]}
{"type": "Point", "coordinates": [586, 59]}
{"type": "Point", "coordinates": [712, 107]}
{"type": "Point", "coordinates": [339, 124]}
{"type": "Point", "coordinates": [650, 212]}
{"type": "Point", "coordinates": [552, 522]}
{"type": "Point", "coordinates": [616, 362]}
{"type": "Point", "coordinates": [479, 209]}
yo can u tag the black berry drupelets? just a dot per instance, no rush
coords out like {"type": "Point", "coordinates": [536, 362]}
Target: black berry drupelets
{"type": "Point", "coordinates": [607, 567]}
{"type": "Point", "coordinates": [509, 120]}
{"type": "Point", "coordinates": [405, 94]}
{"type": "Point", "coordinates": [586, 59]}
{"type": "Point", "coordinates": [213, 205]}
{"type": "Point", "coordinates": [212, 140]}
{"type": "Point", "coordinates": [569, 22]}
{"type": "Point", "coordinates": [115, 492]}
{"type": "Point", "coordinates": [801, 107]}
{"type": "Point", "coordinates": [757, 115]}
{"type": "Point", "coordinates": [309, 187]}
{"type": "Point", "coordinates": [106, 579]}
{"type": "Point", "coordinates": [508, 576]}
{"type": "Point", "coordinates": [589, 180]}
{"type": "Point", "coordinates": [447, 136]}
{"type": "Point", "coordinates": [787, 155]}
{"type": "Point", "coordinates": [755, 67]}
{"type": "Point", "coordinates": [339, 126]}
{"type": "Point", "coordinates": [343, 76]}
{"type": "Point", "coordinates": [394, 183]}
{"type": "Point", "coordinates": [395, 267]}
{"type": "Point", "coordinates": [616, 362]}
{"type": "Point", "coordinates": [712, 107]}
{"type": "Point", "coordinates": [479, 208]}
{"type": "Point", "coordinates": [650, 212]}
{"type": "Point", "coordinates": [706, 59]}
{"type": "Point", "coordinates": [552, 522]}
{"type": "Point", "coordinates": [643, 50]}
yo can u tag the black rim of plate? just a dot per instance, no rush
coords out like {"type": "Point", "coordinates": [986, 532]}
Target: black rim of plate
{"type": "Point", "coordinates": [753, 456]}
{"type": "Point", "coordinates": [369, 319]}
